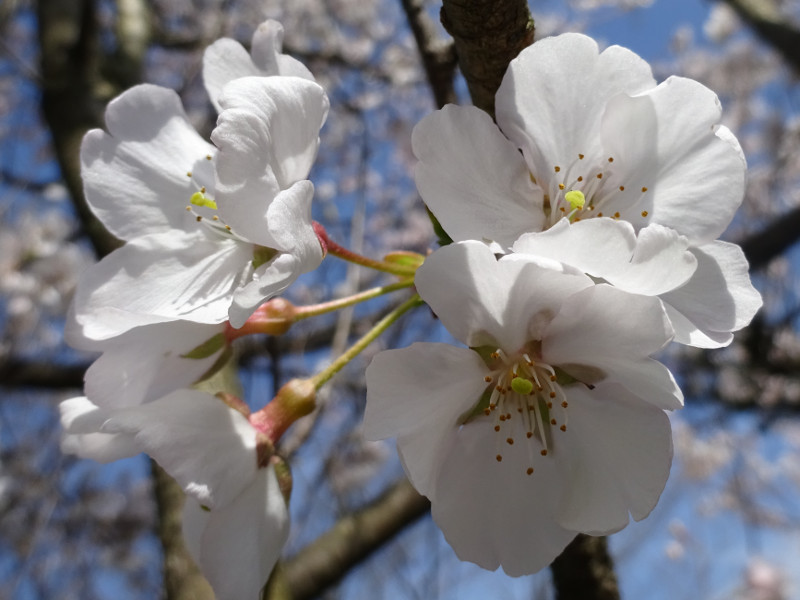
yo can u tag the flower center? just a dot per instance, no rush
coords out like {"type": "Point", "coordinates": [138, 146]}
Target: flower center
{"type": "Point", "coordinates": [201, 203]}
{"type": "Point", "coordinates": [583, 190]}
{"type": "Point", "coordinates": [525, 397]}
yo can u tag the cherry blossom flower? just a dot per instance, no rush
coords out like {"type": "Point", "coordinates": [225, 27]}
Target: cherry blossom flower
{"type": "Point", "coordinates": [586, 134]}
{"type": "Point", "coordinates": [235, 519]}
{"type": "Point", "coordinates": [210, 234]}
{"type": "Point", "coordinates": [550, 423]}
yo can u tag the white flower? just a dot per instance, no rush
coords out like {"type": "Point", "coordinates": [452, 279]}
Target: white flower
{"type": "Point", "coordinates": [586, 134]}
{"type": "Point", "coordinates": [226, 60]}
{"type": "Point", "coordinates": [550, 424]}
{"type": "Point", "coordinates": [230, 247]}
{"type": "Point", "coordinates": [235, 521]}
{"type": "Point", "coordinates": [140, 366]}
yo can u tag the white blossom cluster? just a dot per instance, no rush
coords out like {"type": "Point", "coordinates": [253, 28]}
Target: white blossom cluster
{"type": "Point", "coordinates": [584, 223]}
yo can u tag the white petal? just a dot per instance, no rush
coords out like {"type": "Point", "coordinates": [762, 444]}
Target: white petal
{"type": "Point", "coordinates": [615, 332]}
{"type": "Point", "coordinates": [666, 140]}
{"type": "Point", "coordinates": [482, 301]}
{"type": "Point", "coordinates": [266, 52]}
{"type": "Point", "coordinates": [492, 513]}
{"type": "Point", "coordinates": [134, 177]}
{"type": "Point", "coordinates": [655, 262]}
{"type": "Point", "coordinates": [146, 363]}
{"type": "Point", "coordinates": [82, 421]}
{"type": "Point", "coordinates": [473, 179]}
{"type": "Point", "coordinates": [719, 298]}
{"type": "Point", "coordinates": [237, 546]}
{"type": "Point", "coordinates": [270, 279]}
{"type": "Point", "coordinates": [268, 136]}
{"type": "Point", "coordinates": [161, 278]}
{"type": "Point", "coordinates": [615, 456]}
{"type": "Point", "coordinates": [421, 391]}
{"type": "Point", "coordinates": [552, 96]}
{"type": "Point", "coordinates": [226, 60]}
{"type": "Point", "coordinates": [206, 446]}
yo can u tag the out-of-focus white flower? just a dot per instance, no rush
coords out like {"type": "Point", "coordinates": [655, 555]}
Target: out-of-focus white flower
{"type": "Point", "coordinates": [583, 134]}
{"type": "Point", "coordinates": [550, 423]}
{"type": "Point", "coordinates": [247, 232]}
{"type": "Point", "coordinates": [235, 521]}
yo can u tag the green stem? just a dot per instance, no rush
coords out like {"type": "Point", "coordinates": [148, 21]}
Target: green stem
{"type": "Point", "coordinates": [335, 249]}
{"type": "Point", "coordinates": [304, 312]}
{"type": "Point", "coordinates": [323, 376]}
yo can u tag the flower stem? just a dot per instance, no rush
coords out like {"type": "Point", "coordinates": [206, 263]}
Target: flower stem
{"type": "Point", "coordinates": [323, 376]}
{"type": "Point", "coordinates": [335, 249]}
{"type": "Point", "coordinates": [304, 312]}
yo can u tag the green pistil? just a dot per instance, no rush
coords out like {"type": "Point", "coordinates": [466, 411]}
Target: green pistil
{"type": "Point", "coordinates": [576, 199]}
{"type": "Point", "coordinates": [262, 255]}
{"type": "Point", "coordinates": [521, 385]}
{"type": "Point", "coordinates": [200, 199]}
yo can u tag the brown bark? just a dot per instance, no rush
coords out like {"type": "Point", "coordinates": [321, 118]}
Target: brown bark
{"type": "Point", "coordinates": [351, 540]}
{"type": "Point", "coordinates": [585, 571]}
{"type": "Point", "coordinates": [488, 34]}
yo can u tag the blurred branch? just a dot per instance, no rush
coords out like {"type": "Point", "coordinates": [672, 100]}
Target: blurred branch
{"type": "Point", "coordinates": [70, 63]}
{"type": "Point", "coordinates": [438, 56]}
{"type": "Point", "coordinates": [352, 539]}
{"type": "Point", "coordinates": [585, 571]}
{"type": "Point", "coordinates": [182, 578]}
{"type": "Point", "coordinates": [488, 34]}
{"type": "Point", "coordinates": [764, 17]}
{"type": "Point", "coordinates": [772, 241]}
{"type": "Point", "coordinates": [43, 375]}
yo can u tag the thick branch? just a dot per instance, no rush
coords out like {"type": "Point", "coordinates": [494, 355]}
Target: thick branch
{"type": "Point", "coordinates": [352, 539]}
{"type": "Point", "coordinates": [773, 240]}
{"type": "Point", "coordinates": [182, 578]}
{"type": "Point", "coordinates": [488, 34]}
{"type": "Point", "coordinates": [16, 373]}
{"type": "Point", "coordinates": [773, 28]}
{"type": "Point", "coordinates": [585, 571]}
{"type": "Point", "coordinates": [438, 56]}
{"type": "Point", "coordinates": [69, 60]}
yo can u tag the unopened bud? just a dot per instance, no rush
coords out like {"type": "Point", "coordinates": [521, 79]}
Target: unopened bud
{"type": "Point", "coordinates": [294, 400]}
{"type": "Point", "coordinates": [273, 318]}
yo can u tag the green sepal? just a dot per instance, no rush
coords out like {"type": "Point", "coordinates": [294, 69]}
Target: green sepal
{"type": "Point", "coordinates": [442, 236]}
{"type": "Point", "coordinates": [214, 379]}
{"type": "Point", "coordinates": [479, 409]}
{"type": "Point", "coordinates": [485, 352]}
{"type": "Point", "coordinates": [262, 255]}
{"type": "Point", "coordinates": [404, 258]}
{"type": "Point", "coordinates": [207, 348]}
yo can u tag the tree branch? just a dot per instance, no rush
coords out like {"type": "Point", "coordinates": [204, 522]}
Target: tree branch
{"type": "Point", "coordinates": [488, 34]}
{"type": "Point", "coordinates": [70, 63]}
{"type": "Point", "coordinates": [772, 241]}
{"type": "Point", "coordinates": [438, 57]}
{"type": "Point", "coordinates": [585, 571]}
{"type": "Point", "coordinates": [773, 28]}
{"type": "Point", "coordinates": [20, 373]}
{"type": "Point", "coordinates": [352, 539]}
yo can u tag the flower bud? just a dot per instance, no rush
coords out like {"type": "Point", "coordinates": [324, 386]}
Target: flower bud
{"type": "Point", "coordinates": [273, 318]}
{"type": "Point", "coordinates": [294, 400]}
